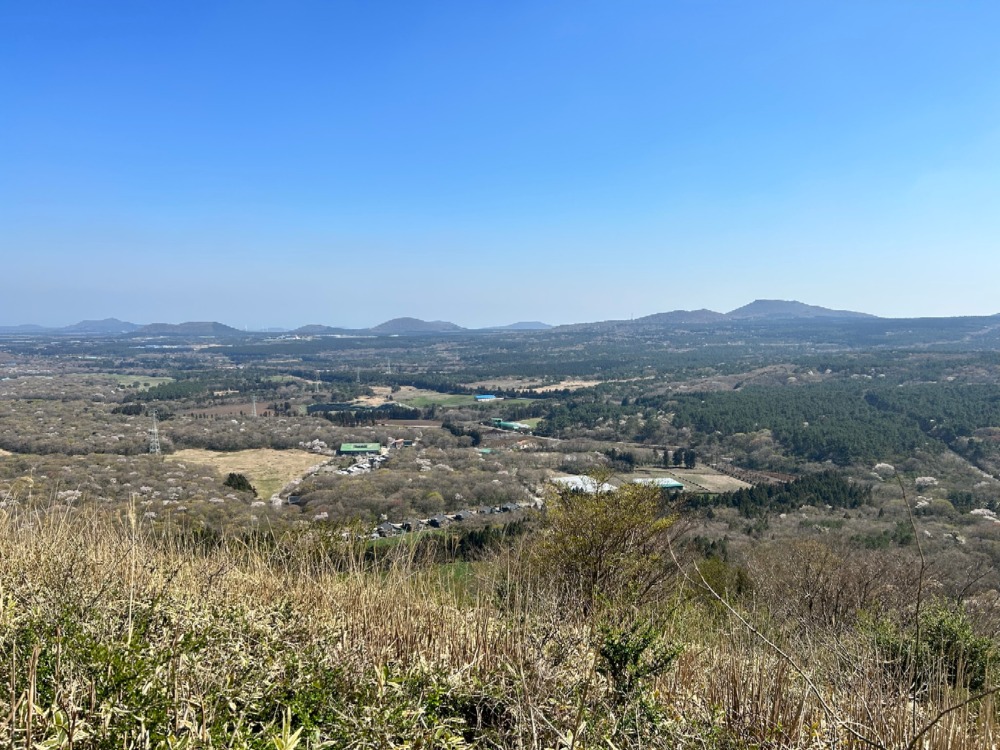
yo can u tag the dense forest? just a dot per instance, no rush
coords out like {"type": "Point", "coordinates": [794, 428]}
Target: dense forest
{"type": "Point", "coordinates": [827, 488]}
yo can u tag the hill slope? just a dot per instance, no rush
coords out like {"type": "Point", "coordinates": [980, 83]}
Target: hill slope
{"type": "Point", "coordinates": [188, 329]}
{"type": "Point", "coordinates": [784, 309]}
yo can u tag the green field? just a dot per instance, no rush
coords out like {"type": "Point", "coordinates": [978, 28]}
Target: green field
{"type": "Point", "coordinates": [144, 381]}
{"type": "Point", "coordinates": [423, 399]}
{"type": "Point", "coordinates": [439, 399]}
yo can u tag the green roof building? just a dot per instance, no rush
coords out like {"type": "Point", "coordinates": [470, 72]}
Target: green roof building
{"type": "Point", "coordinates": [359, 449]}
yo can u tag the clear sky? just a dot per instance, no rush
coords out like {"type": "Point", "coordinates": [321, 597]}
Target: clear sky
{"type": "Point", "coordinates": [284, 163]}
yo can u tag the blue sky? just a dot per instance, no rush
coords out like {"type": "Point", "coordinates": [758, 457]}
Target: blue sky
{"type": "Point", "coordinates": [276, 164]}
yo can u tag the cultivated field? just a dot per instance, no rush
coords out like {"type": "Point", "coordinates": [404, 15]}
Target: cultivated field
{"type": "Point", "coordinates": [421, 398]}
{"type": "Point", "coordinates": [268, 470]}
{"type": "Point", "coordinates": [532, 384]}
{"type": "Point", "coordinates": [569, 385]}
{"type": "Point", "coordinates": [240, 409]}
{"type": "Point", "coordinates": [701, 478]}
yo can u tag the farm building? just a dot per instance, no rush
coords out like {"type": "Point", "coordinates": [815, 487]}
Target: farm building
{"type": "Point", "coordinates": [664, 483]}
{"type": "Point", "coordinates": [359, 449]}
{"type": "Point", "coordinates": [486, 397]}
{"type": "Point", "coordinates": [502, 425]}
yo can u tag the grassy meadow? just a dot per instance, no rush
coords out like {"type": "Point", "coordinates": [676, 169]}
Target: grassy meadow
{"type": "Point", "coordinates": [267, 469]}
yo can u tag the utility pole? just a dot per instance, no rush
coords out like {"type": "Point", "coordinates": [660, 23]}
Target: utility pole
{"type": "Point", "coordinates": [154, 437]}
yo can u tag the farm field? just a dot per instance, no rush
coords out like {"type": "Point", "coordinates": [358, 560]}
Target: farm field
{"type": "Point", "coordinates": [533, 384]}
{"type": "Point", "coordinates": [701, 477]}
{"type": "Point", "coordinates": [423, 399]}
{"type": "Point", "coordinates": [569, 385]}
{"type": "Point", "coordinates": [412, 422]}
{"type": "Point", "coordinates": [411, 396]}
{"type": "Point", "coordinates": [268, 470]}
{"type": "Point", "coordinates": [238, 409]}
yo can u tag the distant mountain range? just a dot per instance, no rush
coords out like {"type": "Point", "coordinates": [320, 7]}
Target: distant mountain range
{"type": "Point", "coordinates": [763, 310]}
{"type": "Point", "coordinates": [106, 327]}
{"type": "Point", "coordinates": [758, 311]}
{"type": "Point", "coordinates": [115, 327]}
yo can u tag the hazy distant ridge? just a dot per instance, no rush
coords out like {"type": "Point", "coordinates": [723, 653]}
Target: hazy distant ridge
{"type": "Point", "coordinates": [524, 325]}
{"type": "Point", "coordinates": [758, 311]}
{"type": "Point", "coordinates": [108, 326]}
{"type": "Point", "coordinates": [777, 308]}
{"type": "Point", "coordinates": [188, 329]}
{"type": "Point", "coordinates": [415, 325]}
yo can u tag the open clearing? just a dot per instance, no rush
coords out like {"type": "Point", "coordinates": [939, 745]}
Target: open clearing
{"type": "Point", "coordinates": [528, 384]}
{"type": "Point", "coordinates": [143, 381]}
{"type": "Point", "coordinates": [414, 397]}
{"type": "Point", "coordinates": [382, 394]}
{"type": "Point", "coordinates": [267, 469]}
{"type": "Point", "coordinates": [569, 385]}
{"type": "Point", "coordinates": [420, 398]}
{"type": "Point", "coordinates": [232, 410]}
{"type": "Point", "coordinates": [432, 398]}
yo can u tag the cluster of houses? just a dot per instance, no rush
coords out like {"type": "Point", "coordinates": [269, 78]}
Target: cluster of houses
{"type": "Point", "coordinates": [369, 455]}
{"type": "Point", "coordinates": [364, 465]}
{"type": "Point", "coordinates": [583, 484]}
{"type": "Point", "coordinates": [387, 528]}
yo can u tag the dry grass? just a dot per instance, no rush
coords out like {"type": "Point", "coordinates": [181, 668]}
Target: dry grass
{"type": "Point", "coordinates": [572, 384]}
{"type": "Point", "coordinates": [711, 481]}
{"type": "Point", "coordinates": [115, 635]}
{"type": "Point", "coordinates": [267, 469]}
{"type": "Point", "coordinates": [380, 395]}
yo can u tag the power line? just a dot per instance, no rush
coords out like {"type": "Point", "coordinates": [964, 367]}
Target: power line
{"type": "Point", "coordinates": [154, 437]}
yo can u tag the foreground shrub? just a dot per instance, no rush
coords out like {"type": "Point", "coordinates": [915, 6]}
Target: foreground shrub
{"type": "Point", "coordinates": [948, 650]}
{"type": "Point", "coordinates": [610, 546]}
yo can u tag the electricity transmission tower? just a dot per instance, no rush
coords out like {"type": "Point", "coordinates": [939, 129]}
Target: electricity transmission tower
{"type": "Point", "coordinates": [253, 398]}
{"type": "Point", "coordinates": [154, 437]}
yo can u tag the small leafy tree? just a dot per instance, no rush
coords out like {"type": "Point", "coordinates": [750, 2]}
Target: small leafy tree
{"type": "Point", "coordinates": [240, 482]}
{"type": "Point", "coordinates": [628, 655]}
{"type": "Point", "coordinates": [948, 650]}
{"type": "Point", "coordinates": [606, 546]}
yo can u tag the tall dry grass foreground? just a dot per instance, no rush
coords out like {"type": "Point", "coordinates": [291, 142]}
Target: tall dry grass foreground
{"type": "Point", "coordinates": [116, 635]}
